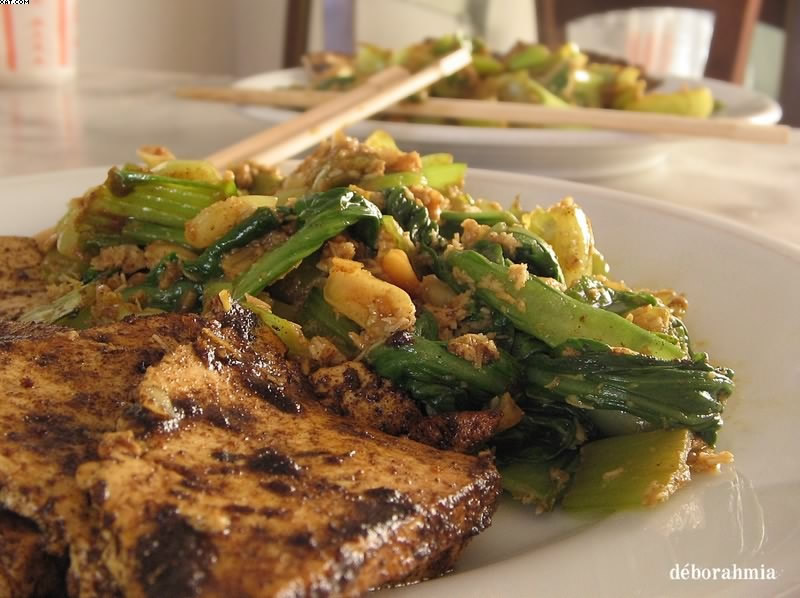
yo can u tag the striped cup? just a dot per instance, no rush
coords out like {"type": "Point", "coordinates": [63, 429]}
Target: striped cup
{"type": "Point", "coordinates": [37, 41]}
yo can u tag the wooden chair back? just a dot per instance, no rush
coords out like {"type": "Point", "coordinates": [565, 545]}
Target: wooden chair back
{"type": "Point", "coordinates": [785, 14]}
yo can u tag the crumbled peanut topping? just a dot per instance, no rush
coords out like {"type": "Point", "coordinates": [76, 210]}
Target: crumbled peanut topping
{"type": "Point", "coordinates": [518, 274]}
{"type": "Point", "coordinates": [475, 348]}
{"type": "Point", "coordinates": [324, 352]}
{"type": "Point", "coordinates": [655, 318]}
{"type": "Point", "coordinates": [128, 258]}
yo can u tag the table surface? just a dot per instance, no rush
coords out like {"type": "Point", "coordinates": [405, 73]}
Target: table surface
{"type": "Point", "coordinates": [102, 116]}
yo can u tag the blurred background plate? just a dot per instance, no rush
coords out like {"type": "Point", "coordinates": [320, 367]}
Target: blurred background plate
{"type": "Point", "coordinates": [561, 153]}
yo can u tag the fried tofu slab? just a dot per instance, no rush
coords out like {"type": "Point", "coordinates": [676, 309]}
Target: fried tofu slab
{"type": "Point", "coordinates": [181, 457]}
{"type": "Point", "coordinates": [26, 570]}
{"type": "Point", "coordinates": [22, 284]}
{"type": "Point", "coordinates": [63, 390]}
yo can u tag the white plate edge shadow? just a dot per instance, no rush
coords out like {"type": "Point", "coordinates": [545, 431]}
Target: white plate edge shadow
{"type": "Point", "coordinates": [503, 577]}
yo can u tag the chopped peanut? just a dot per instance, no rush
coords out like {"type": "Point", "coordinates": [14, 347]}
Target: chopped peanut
{"type": "Point", "coordinates": [397, 268]}
{"type": "Point", "coordinates": [216, 220]}
{"type": "Point", "coordinates": [436, 291]}
{"type": "Point", "coordinates": [378, 306]}
{"type": "Point", "coordinates": [475, 348]}
{"type": "Point", "coordinates": [128, 258]}
{"type": "Point", "coordinates": [655, 318]}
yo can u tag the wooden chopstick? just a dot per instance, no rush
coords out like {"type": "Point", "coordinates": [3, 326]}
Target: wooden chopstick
{"type": "Point", "coordinates": [376, 94]}
{"type": "Point", "coordinates": [515, 112]}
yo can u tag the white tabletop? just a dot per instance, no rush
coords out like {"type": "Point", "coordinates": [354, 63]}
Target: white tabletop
{"type": "Point", "coordinates": [103, 116]}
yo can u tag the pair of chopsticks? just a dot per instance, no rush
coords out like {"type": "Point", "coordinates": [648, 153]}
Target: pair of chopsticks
{"type": "Point", "coordinates": [379, 92]}
{"type": "Point", "coordinates": [291, 137]}
{"type": "Point", "coordinates": [512, 112]}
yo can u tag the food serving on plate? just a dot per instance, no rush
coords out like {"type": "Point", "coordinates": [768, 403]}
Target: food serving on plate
{"type": "Point", "coordinates": [255, 384]}
{"type": "Point", "coordinates": [528, 73]}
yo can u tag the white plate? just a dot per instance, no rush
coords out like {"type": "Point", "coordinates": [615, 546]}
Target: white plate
{"type": "Point", "coordinates": [574, 154]}
{"type": "Point", "coordinates": [743, 291]}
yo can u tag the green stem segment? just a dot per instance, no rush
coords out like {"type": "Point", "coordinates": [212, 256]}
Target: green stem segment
{"type": "Point", "coordinates": [290, 333]}
{"type": "Point", "coordinates": [320, 319]}
{"type": "Point", "coordinates": [630, 471]}
{"type": "Point", "coordinates": [128, 207]}
{"type": "Point", "coordinates": [123, 181]}
{"type": "Point", "coordinates": [552, 316]}
{"type": "Point", "coordinates": [442, 176]}
{"type": "Point", "coordinates": [156, 199]}
{"type": "Point", "coordinates": [144, 233]}
{"type": "Point", "coordinates": [540, 483]}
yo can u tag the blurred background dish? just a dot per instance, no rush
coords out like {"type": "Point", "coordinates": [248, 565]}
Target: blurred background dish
{"type": "Point", "coordinates": [573, 153]}
{"type": "Point", "coordinates": [266, 35]}
{"type": "Point", "coordinates": [679, 37]}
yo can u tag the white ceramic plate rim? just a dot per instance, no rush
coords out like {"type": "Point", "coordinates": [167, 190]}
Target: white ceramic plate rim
{"type": "Point", "coordinates": [780, 246]}
{"type": "Point", "coordinates": [769, 113]}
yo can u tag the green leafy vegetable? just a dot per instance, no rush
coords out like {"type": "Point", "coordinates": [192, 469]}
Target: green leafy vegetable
{"type": "Point", "coordinates": [594, 292]}
{"type": "Point", "coordinates": [552, 316]}
{"type": "Point", "coordinates": [208, 264]}
{"type": "Point", "coordinates": [144, 233]}
{"type": "Point", "coordinates": [320, 217]}
{"type": "Point", "coordinates": [686, 393]}
{"type": "Point", "coordinates": [181, 296]}
{"type": "Point", "coordinates": [395, 179]}
{"type": "Point", "coordinates": [441, 176]}
{"type": "Point", "coordinates": [412, 216]}
{"type": "Point", "coordinates": [67, 304]}
{"type": "Point", "coordinates": [426, 325]}
{"type": "Point", "coordinates": [438, 379]}
{"type": "Point", "coordinates": [536, 253]}
{"type": "Point", "coordinates": [290, 333]}
{"type": "Point", "coordinates": [546, 430]}
{"type": "Point", "coordinates": [489, 217]}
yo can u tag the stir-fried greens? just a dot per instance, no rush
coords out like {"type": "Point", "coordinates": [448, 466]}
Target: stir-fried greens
{"type": "Point", "coordinates": [527, 73]}
{"type": "Point", "coordinates": [370, 254]}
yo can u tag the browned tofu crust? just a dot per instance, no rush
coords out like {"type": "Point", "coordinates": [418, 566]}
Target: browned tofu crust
{"type": "Point", "coordinates": [26, 570]}
{"type": "Point", "coordinates": [211, 470]}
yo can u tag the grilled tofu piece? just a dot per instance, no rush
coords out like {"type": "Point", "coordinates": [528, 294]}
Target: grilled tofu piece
{"type": "Point", "coordinates": [238, 483]}
{"type": "Point", "coordinates": [26, 570]}
{"type": "Point", "coordinates": [22, 285]}
{"type": "Point", "coordinates": [354, 390]}
{"type": "Point", "coordinates": [462, 431]}
{"type": "Point", "coordinates": [213, 471]}
{"type": "Point", "coordinates": [62, 390]}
